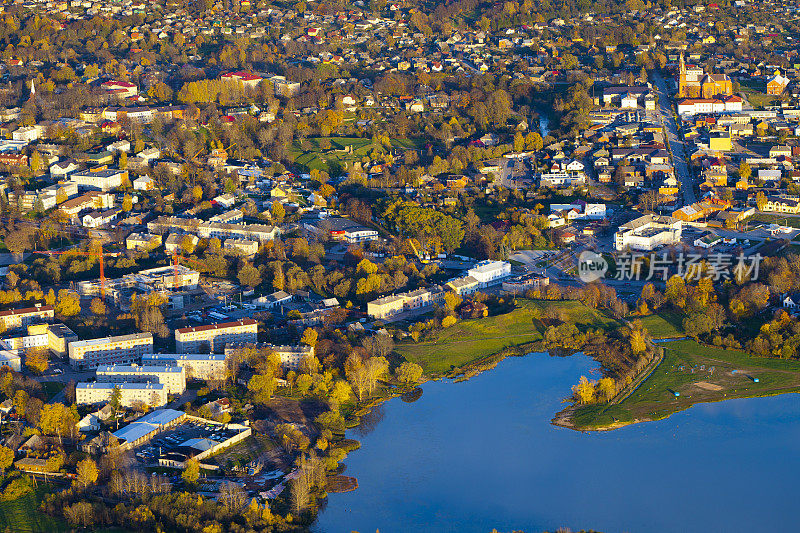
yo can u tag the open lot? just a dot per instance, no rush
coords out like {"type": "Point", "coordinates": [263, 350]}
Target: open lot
{"type": "Point", "coordinates": [663, 325]}
{"type": "Point", "coordinates": [471, 340]}
{"type": "Point", "coordinates": [23, 514]}
{"type": "Point", "coordinates": [317, 155]}
{"type": "Point", "coordinates": [693, 373]}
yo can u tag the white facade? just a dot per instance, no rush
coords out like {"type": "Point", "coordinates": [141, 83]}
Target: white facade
{"type": "Point", "coordinates": [196, 365]}
{"type": "Point", "coordinates": [490, 273]}
{"type": "Point", "coordinates": [648, 233]}
{"type": "Point", "coordinates": [214, 337]}
{"type": "Point", "coordinates": [172, 377]}
{"type": "Point", "coordinates": [152, 394]}
{"type": "Point", "coordinates": [123, 349]}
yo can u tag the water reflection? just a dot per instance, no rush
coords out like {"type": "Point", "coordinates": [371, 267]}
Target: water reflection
{"type": "Point", "coordinates": [369, 421]}
{"type": "Point", "coordinates": [412, 395]}
{"type": "Point", "coordinates": [482, 454]}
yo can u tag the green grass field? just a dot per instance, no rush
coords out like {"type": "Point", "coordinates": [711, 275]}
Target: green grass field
{"type": "Point", "coordinates": [663, 325]}
{"type": "Point", "coordinates": [22, 515]}
{"type": "Point", "coordinates": [686, 370]}
{"type": "Point", "coordinates": [471, 340]}
{"type": "Point", "coordinates": [316, 157]}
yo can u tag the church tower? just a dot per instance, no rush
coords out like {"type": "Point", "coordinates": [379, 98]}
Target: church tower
{"type": "Point", "coordinates": [681, 76]}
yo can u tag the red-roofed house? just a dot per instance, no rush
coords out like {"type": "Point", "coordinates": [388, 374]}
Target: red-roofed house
{"type": "Point", "coordinates": [248, 80]}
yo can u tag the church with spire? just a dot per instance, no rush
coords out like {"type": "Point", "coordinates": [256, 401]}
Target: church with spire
{"type": "Point", "coordinates": [693, 82]}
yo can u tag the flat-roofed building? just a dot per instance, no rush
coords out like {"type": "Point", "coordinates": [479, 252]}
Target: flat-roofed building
{"type": "Point", "coordinates": [648, 232]}
{"type": "Point", "coordinates": [291, 355]}
{"type": "Point", "coordinates": [148, 426]}
{"type": "Point", "coordinates": [213, 337]}
{"type": "Point", "coordinates": [172, 377]}
{"type": "Point", "coordinates": [17, 318]}
{"type": "Point", "coordinates": [150, 394]}
{"type": "Point", "coordinates": [58, 338]}
{"type": "Point", "coordinates": [196, 365]}
{"type": "Point", "coordinates": [122, 349]}
{"type": "Point", "coordinates": [490, 273]}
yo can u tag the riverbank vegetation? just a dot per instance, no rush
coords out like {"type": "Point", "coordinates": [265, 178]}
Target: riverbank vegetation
{"type": "Point", "coordinates": [526, 321]}
{"type": "Point", "coordinates": [693, 373]}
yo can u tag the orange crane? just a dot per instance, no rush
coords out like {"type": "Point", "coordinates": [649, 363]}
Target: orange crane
{"type": "Point", "coordinates": [98, 253]}
{"type": "Point", "coordinates": [175, 258]}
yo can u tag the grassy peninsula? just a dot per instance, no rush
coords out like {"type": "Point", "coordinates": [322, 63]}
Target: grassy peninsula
{"type": "Point", "coordinates": [471, 341]}
{"type": "Point", "coordinates": [692, 373]}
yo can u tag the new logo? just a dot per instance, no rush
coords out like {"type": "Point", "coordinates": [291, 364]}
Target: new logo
{"type": "Point", "coordinates": [591, 266]}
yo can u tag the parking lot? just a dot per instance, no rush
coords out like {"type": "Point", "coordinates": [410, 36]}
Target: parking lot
{"type": "Point", "coordinates": [191, 435]}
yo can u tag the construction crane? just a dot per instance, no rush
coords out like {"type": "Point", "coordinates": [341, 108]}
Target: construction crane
{"type": "Point", "coordinates": [92, 253]}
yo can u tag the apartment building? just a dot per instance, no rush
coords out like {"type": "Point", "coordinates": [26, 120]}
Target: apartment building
{"type": "Point", "coordinates": [172, 377]}
{"type": "Point", "coordinates": [122, 349]}
{"type": "Point", "coordinates": [213, 337]}
{"type": "Point", "coordinates": [150, 394]}
{"type": "Point", "coordinates": [17, 318]}
{"type": "Point", "coordinates": [394, 304]}
{"type": "Point", "coordinates": [207, 230]}
{"type": "Point", "coordinates": [58, 338]}
{"type": "Point", "coordinates": [291, 355]}
{"type": "Point", "coordinates": [196, 365]}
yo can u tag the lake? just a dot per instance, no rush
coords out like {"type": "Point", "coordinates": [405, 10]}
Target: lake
{"type": "Point", "coordinates": [482, 454]}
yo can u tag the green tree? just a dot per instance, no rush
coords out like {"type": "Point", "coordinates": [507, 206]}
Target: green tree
{"type": "Point", "coordinates": [6, 458]}
{"type": "Point", "coordinates": [261, 386]}
{"type": "Point", "coordinates": [249, 276]}
{"type": "Point", "coordinates": [408, 373]}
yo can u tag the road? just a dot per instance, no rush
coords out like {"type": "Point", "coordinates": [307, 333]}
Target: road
{"type": "Point", "coordinates": [675, 140]}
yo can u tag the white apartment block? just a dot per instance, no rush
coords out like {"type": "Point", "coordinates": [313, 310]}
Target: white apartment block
{"type": "Point", "coordinates": [151, 394]}
{"type": "Point", "coordinates": [490, 273]}
{"type": "Point", "coordinates": [196, 365]}
{"type": "Point", "coordinates": [17, 318]}
{"type": "Point", "coordinates": [213, 337]}
{"type": "Point", "coordinates": [172, 377]}
{"type": "Point", "coordinates": [103, 180]}
{"type": "Point", "coordinates": [291, 355]}
{"type": "Point", "coordinates": [123, 349]}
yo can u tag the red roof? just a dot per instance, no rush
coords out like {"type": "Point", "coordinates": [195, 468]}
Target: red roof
{"type": "Point", "coordinates": [241, 75]}
{"type": "Point", "coordinates": [223, 325]}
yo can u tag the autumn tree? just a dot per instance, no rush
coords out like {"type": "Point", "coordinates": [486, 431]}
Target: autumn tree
{"type": "Point", "coordinates": [408, 373]}
{"type": "Point", "coordinates": [86, 473]}
{"type": "Point", "coordinates": [191, 471]}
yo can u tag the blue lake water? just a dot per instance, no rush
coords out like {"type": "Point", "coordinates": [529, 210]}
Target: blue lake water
{"type": "Point", "coordinates": [482, 454]}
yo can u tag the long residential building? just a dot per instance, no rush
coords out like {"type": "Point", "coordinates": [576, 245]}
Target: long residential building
{"type": "Point", "coordinates": [172, 377]}
{"type": "Point", "coordinates": [291, 355]}
{"type": "Point", "coordinates": [122, 349]}
{"type": "Point", "coordinates": [17, 318]}
{"type": "Point", "coordinates": [389, 306]}
{"type": "Point", "coordinates": [196, 365]}
{"type": "Point", "coordinates": [213, 337]}
{"type": "Point", "coordinates": [150, 394]}
{"type": "Point", "coordinates": [207, 230]}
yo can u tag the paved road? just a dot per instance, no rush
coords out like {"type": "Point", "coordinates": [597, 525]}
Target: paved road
{"type": "Point", "coordinates": [675, 140]}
